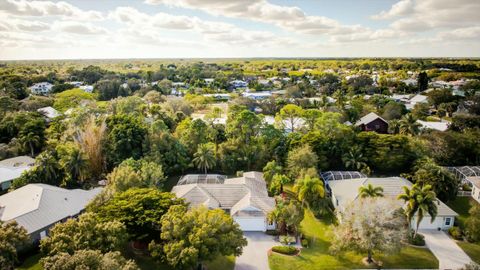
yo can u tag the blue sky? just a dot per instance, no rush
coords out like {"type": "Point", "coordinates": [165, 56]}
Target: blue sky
{"type": "Point", "coordinates": [71, 29]}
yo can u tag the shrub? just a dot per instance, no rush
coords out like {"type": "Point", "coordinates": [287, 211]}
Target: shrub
{"type": "Point", "coordinates": [287, 250]}
{"type": "Point", "coordinates": [285, 239]}
{"type": "Point", "coordinates": [418, 240]}
{"type": "Point", "coordinates": [466, 187]}
{"type": "Point", "coordinates": [272, 232]}
{"type": "Point", "coordinates": [455, 232]}
{"type": "Point", "coordinates": [305, 243]}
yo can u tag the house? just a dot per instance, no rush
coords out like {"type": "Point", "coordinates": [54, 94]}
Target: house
{"type": "Point", "coordinates": [287, 125]}
{"type": "Point", "coordinates": [87, 88]}
{"type": "Point", "coordinates": [49, 112]}
{"type": "Point", "coordinates": [440, 126]}
{"type": "Point", "coordinates": [373, 122]}
{"type": "Point", "coordinates": [475, 181]}
{"type": "Point", "coordinates": [344, 192]}
{"type": "Point", "coordinates": [244, 198]}
{"type": "Point", "coordinates": [76, 83]}
{"type": "Point", "coordinates": [257, 95]}
{"type": "Point", "coordinates": [209, 81]}
{"type": "Point", "coordinates": [12, 168]}
{"type": "Point", "coordinates": [238, 84]}
{"type": "Point", "coordinates": [42, 88]}
{"type": "Point", "coordinates": [37, 207]}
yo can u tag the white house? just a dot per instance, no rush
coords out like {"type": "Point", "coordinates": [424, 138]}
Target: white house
{"type": "Point", "coordinates": [244, 198]}
{"type": "Point", "coordinates": [76, 83]}
{"type": "Point", "coordinates": [12, 168]}
{"type": "Point", "coordinates": [42, 88]}
{"type": "Point", "coordinates": [49, 112]}
{"type": "Point", "coordinates": [475, 181]}
{"type": "Point", "coordinates": [87, 88]}
{"type": "Point", "coordinates": [37, 207]}
{"type": "Point", "coordinates": [257, 95]}
{"type": "Point", "coordinates": [440, 126]}
{"type": "Point", "coordinates": [344, 192]}
{"type": "Point", "coordinates": [239, 84]}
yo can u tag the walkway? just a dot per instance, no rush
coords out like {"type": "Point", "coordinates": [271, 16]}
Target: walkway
{"type": "Point", "coordinates": [254, 256]}
{"type": "Point", "coordinates": [448, 253]}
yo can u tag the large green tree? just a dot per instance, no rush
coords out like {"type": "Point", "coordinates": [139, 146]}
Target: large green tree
{"type": "Point", "coordinates": [88, 259]}
{"type": "Point", "coordinates": [204, 158]}
{"type": "Point", "coordinates": [192, 237]}
{"type": "Point", "coordinates": [309, 190]}
{"type": "Point", "coordinates": [140, 209]}
{"type": "Point", "coordinates": [125, 138]}
{"type": "Point", "coordinates": [84, 233]}
{"type": "Point", "coordinates": [12, 237]}
{"type": "Point", "coordinates": [299, 159]}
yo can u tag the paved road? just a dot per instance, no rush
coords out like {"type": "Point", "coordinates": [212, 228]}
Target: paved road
{"type": "Point", "coordinates": [448, 253]}
{"type": "Point", "coordinates": [254, 255]}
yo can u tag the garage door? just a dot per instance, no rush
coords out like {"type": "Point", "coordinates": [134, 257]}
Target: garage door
{"type": "Point", "coordinates": [251, 224]}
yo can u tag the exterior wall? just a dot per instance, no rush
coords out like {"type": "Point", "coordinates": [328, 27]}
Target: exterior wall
{"type": "Point", "coordinates": [258, 224]}
{"type": "Point", "coordinates": [439, 222]}
{"type": "Point", "coordinates": [376, 125]}
{"type": "Point", "coordinates": [476, 193]}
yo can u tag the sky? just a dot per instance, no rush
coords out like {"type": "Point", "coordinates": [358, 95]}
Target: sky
{"type": "Point", "coordinates": [96, 29]}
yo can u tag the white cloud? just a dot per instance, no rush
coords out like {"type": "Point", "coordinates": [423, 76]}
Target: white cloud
{"type": "Point", "coordinates": [424, 15]}
{"type": "Point", "coordinates": [402, 7]}
{"type": "Point", "coordinates": [46, 8]}
{"type": "Point", "coordinates": [79, 28]}
{"type": "Point", "coordinates": [472, 33]}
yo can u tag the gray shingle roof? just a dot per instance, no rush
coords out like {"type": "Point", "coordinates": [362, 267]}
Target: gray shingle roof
{"type": "Point", "coordinates": [36, 206]}
{"type": "Point", "coordinates": [346, 191]}
{"type": "Point", "coordinates": [368, 119]}
{"type": "Point", "coordinates": [247, 193]}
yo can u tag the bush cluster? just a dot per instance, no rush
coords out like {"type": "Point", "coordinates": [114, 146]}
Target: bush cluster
{"type": "Point", "coordinates": [287, 250]}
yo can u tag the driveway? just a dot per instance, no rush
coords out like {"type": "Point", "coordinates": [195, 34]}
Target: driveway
{"type": "Point", "coordinates": [254, 256]}
{"type": "Point", "coordinates": [448, 253]}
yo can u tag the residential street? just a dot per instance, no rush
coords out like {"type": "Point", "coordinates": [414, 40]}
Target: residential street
{"type": "Point", "coordinates": [448, 253]}
{"type": "Point", "coordinates": [254, 255]}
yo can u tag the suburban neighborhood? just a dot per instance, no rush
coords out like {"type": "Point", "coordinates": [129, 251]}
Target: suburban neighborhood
{"type": "Point", "coordinates": [239, 135]}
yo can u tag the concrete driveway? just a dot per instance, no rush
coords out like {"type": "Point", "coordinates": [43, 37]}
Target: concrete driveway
{"type": "Point", "coordinates": [448, 253]}
{"type": "Point", "coordinates": [254, 255]}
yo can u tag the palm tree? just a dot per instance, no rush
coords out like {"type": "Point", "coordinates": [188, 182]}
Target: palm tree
{"type": "Point", "coordinates": [30, 140]}
{"type": "Point", "coordinates": [76, 164]}
{"type": "Point", "coordinates": [409, 125]}
{"type": "Point", "coordinates": [309, 190]}
{"type": "Point", "coordinates": [370, 191]}
{"type": "Point", "coordinates": [354, 159]}
{"type": "Point", "coordinates": [48, 167]}
{"type": "Point", "coordinates": [419, 201]}
{"type": "Point", "coordinates": [394, 126]}
{"type": "Point", "coordinates": [204, 158]}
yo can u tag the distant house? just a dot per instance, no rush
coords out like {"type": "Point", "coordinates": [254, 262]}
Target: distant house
{"type": "Point", "coordinates": [76, 84]}
{"type": "Point", "coordinates": [244, 198]}
{"type": "Point", "coordinates": [345, 192]}
{"type": "Point", "coordinates": [12, 168]}
{"type": "Point", "coordinates": [87, 88]}
{"type": "Point", "coordinates": [257, 95]}
{"type": "Point", "coordinates": [219, 96]}
{"type": "Point", "coordinates": [49, 112]}
{"type": "Point", "coordinates": [208, 81]}
{"type": "Point", "coordinates": [37, 207]}
{"type": "Point", "coordinates": [238, 84]}
{"type": "Point", "coordinates": [475, 181]}
{"type": "Point", "coordinates": [373, 122]}
{"type": "Point", "coordinates": [440, 126]}
{"type": "Point", "coordinates": [42, 88]}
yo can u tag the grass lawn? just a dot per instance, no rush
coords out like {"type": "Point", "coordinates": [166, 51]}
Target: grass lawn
{"type": "Point", "coordinates": [32, 263]}
{"type": "Point", "coordinates": [472, 250]}
{"type": "Point", "coordinates": [144, 262]}
{"type": "Point", "coordinates": [461, 205]}
{"type": "Point", "coordinates": [317, 256]}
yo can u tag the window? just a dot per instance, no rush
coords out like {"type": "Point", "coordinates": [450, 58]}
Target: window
{"type": "Point", "coordinates": [377, 126]}
{"type": "Point", "coordinates": [43, 234]}
{"type": "Point", "coordinates": [448, 221]}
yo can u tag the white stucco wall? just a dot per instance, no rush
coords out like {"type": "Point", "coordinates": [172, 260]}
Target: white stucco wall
{"type": "Point", "coordinates": [439, 222]}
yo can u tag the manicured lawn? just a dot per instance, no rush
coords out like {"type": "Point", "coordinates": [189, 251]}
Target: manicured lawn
{"type": "Point", "coordinates": [32, 263]}
{"type": "Point", "coordinates": [144, 262]}
{"type": "Point", "coordinates": [472, 250]}
{"type": "Point", "coordinates": [317, 256]}
{"type": "Point", "coordinates": [461, 205]}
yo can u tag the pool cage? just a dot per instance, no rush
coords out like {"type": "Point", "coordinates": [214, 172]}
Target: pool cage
{"type": "Point", "coordinates": [341, 175]}
{"type": "Point", "coordinates": [201, 179]}
{"type": "Point", "coordinates": [461, 173]}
